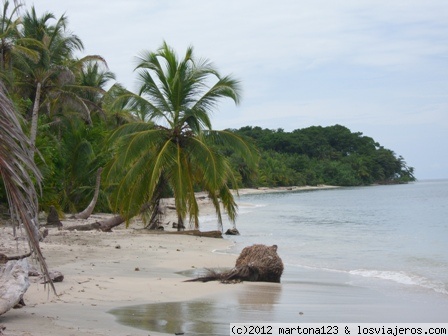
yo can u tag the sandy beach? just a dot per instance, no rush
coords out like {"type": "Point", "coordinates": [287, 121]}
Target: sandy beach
{"type": "Point", "coordinates": [103, 271]}
{"type": "Point", "coordinates": [108, 270]}
{"type": "Point", "coordinates": [132, 282]}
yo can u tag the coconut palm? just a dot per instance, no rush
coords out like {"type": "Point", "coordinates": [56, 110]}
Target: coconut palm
{"type": "Point", "coordinates": [14, 48]}
{"type": "Point", "coordinates": [92, 80]}
{"type": "Point", "coordinates": [18, 171]}
{"type": "Point", "coordinates": [51, 82]}
{"type": "Point", "coordinates": [175, 150]}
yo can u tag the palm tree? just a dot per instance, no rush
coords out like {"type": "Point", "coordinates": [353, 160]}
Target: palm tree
{"type": "Point", "coordinates": [174, 151]}
{"type": "Point", "coordinates": [18, 171]}
{"type": "Point", "coordinates": [12, 44]}
{"type": "Point", "coordinates": [91, 84]}
{"type": "Point", "coordinates": [51, 82]}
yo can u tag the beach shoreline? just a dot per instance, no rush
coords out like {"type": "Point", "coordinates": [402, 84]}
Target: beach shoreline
{"type": "Point", "coordinates": [130, 266]}
{"type": "Point", "coordinates": [103, 271]}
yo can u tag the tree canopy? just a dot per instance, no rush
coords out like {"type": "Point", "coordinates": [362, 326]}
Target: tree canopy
{"type": "Point", "coordinates": [323, 155]}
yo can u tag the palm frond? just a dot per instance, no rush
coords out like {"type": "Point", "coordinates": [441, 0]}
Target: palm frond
{"type": "Point", "coordinates": [18, 171]}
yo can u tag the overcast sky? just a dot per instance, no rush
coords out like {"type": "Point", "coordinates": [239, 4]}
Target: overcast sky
{"type": "Point", "coordinates": [379, 67]}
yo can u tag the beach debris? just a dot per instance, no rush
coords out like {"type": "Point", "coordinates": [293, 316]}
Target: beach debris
{"type": "Point", "coordinates": [209, 234]}
{"type": "Point", "coordinates": [255, 263]}
{"type": "Point", "coordinates": [43, 233]}
{"type": "Point", "coordinates": [14, 283]}
{"type": "Point", "coordinates": [53, 218]}
{"type": "Point", "coordinates": [33, 271]}
{"type": "Point", "coordinates": [55, 276]}
{"type": "Point", "coordinates": [4, 258]}
{"type": "Point", "coordinates": [232, 232]}
{"type": "Point", "coordinates": [177, 226]}
{"type": "Point", "coordinates": [105, 225]}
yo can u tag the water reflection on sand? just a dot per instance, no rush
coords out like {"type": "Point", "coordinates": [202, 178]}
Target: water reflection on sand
{"type": "Point", "coordinates": [209, 316]}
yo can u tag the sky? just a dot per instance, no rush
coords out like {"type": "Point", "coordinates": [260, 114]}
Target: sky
{"type": "Point", "coordinates": [379, 67]}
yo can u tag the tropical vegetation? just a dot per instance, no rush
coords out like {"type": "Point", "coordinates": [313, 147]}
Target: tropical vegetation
{"type": "Point", "coordinates": [173, 150]}
{"type": "Point", "coordinates": [158, 142]}
{"type": "Point", "coordinates": [322, 155]}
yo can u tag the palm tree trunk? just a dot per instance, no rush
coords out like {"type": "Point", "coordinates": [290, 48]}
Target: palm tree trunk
{"type": "Point", "coordinates": [108, 224]}
{"type": "Point", "coordinates": [154, 220]}
{"type": "Point", "coordinates": [180, 223]}
{"type": "Point", "coordinates": [88, 211]}
{"type": "Point", "coordinates": [35, 116]}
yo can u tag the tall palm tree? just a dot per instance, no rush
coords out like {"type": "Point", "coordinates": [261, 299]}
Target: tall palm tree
{"type": "Point", "coordinates": [18, 171]}
{"type": "Point", "coordinates": [52, 80]}
{"type": "Point", "coordinates": [176, 150]}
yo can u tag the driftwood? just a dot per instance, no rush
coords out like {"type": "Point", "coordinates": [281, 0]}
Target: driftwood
{"type": "Point", "coordinates": [209, 234]}
{"type": "Point", "coordinates": [255, 263]}
{"type": "Point", "coordinates": [105, 225]}
{"type": "Point", "coordinates": [13, 283]}
{"type": "Point", "coordinates": [84, 227]}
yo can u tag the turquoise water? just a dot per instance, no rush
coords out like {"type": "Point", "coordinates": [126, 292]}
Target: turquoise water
{"type": "Point", "coordinates": [395, 233]}
{"type": "Point", "coordinates": [369, 254]}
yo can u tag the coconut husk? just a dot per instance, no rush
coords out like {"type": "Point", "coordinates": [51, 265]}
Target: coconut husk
{"type": "Point", "coordinates": [255, 263]}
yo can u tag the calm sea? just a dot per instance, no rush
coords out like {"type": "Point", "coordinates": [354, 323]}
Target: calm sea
{"type": "Point", "coordinates": [368, 254]}
{"type": "Point", "coordinates": [395, 233]}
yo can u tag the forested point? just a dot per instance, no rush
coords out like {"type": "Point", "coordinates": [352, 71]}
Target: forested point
{"type": "Point", "coordinates": [320, 155]}
{"type": "Point", "coordinates": [79, 120]}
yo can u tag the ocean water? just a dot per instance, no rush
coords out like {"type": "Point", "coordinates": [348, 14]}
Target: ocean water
{"type": "Point", "coordinates": [376, 254]}
{"type": "Point", "coordinates": [395, 233]}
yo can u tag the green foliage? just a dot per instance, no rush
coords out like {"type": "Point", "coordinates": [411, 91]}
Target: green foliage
{"type": "Point", "coordinates": [70, 152]}
{"type": "Point", "coordinates": [323, 155]}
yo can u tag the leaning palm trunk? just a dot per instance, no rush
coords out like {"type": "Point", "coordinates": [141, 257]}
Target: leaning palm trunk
{"type": "Point", "coordinates": [18, 170]}
{"type": "Point", "coordinates": [88, 211]}
{"type": "Point", "coordinates": [107, 224]}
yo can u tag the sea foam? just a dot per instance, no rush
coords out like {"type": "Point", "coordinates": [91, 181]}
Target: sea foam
{"type": "Point", "coordinates": [403, 278]}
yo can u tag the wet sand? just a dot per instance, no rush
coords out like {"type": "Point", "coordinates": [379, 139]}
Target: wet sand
{"type": "Point", "coordinates": [304, 296]}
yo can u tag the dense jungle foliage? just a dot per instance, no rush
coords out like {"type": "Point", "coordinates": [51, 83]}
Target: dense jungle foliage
{"type": "Point", "coordinates": [71, 106]}
{"type": "Point", "coordinates": [321, 155]}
